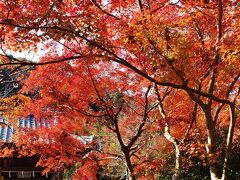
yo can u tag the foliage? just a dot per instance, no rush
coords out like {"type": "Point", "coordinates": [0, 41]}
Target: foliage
{"type": "Point", "coordinates": [127, 72]}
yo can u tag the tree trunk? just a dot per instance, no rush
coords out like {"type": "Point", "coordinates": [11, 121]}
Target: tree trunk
{"type": "Point", "coordinates": [176, 175]}
{"type": "Point", "coordinates": [211, 146]}
{"type": "Point", "coordinates": [211, 152]}
{"type": "Point", "coordinates": [167, 135]}
{"type": "Point", "coordinates": [129, 175]}
{"type": "Point", "coordinates": [129, 164]}
{"type": "Point", "coordinates": [229, 142]}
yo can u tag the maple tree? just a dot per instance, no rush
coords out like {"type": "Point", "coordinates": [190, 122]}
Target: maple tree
{"type": "Point", "coordinates": [85, 105]}
{"type": "Point", "coordinates": [190, 46]}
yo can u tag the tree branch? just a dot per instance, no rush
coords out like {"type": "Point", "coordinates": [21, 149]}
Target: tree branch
{"type": "Point", "coordinates": [105, 12]}
{"type": "Point", "coordinates": [140, 128]}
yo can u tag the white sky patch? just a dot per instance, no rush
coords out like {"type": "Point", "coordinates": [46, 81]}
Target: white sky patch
{"type": "Point", "coordinates": [28, 55]}
{"type": "Point", "coordinates": [34, 56]}
{"type": "Point", "coordinates": [174, 1]}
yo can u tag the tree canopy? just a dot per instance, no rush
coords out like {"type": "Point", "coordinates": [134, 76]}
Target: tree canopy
{"type": "Point", "coordinates": [155, 82]}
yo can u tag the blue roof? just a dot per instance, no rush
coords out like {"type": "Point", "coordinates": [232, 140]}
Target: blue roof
{"type": "Point", "coordinates": [7, 130]}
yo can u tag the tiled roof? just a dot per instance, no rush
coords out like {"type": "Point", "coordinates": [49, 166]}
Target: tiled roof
{"type": "Point", "coordinates": [6, 133]}
{"type": "Point", "coordinates": [7, 130]}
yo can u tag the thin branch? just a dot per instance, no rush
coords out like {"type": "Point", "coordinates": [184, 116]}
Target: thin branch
{"type": "Point", "coordinates": [105, 12]}
{"type": "Point", "coordinates": [97, 92]}
{"type": "Point", "coordinates": [140, 128]}
{"type": "Point", "coordinates": [219, 22]}
{"type": "Point", "coordinates": [8, 74]}
{"type": "Point", "coordinates": [29, 63]}
{"type": "Point", "coordinates": [134, 110]}
{"type": "Point", "coordinates": [230, 88]}
{"type": "Point", "coordinates": [140, 5]}
{"type": "Point", "coordinates": [148, 4]}
{"type": "Point", "coordinates": [64, 45]}
{"type": "Point", "coordinates": [9, 82]}
{"type": "Point", "coordinates": [163, 5]}
{"type": "Point", "coordinates": [136, 149]}
{"type": "Point", "coordinates": [193, 119]}
{"type": "Point", "coordinates": [166, 94]}
{"type": "Point", "coordinates": [68, 105]}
